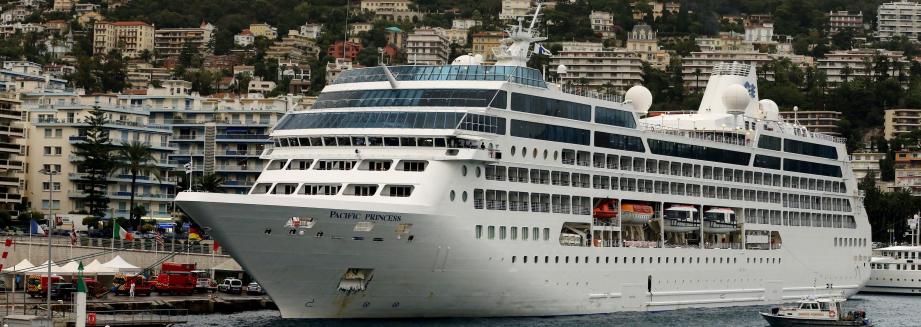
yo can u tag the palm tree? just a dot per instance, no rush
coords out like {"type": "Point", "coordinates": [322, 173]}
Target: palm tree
{"type": "Point", "coordinates": [137, 158]}
{"type": "Point", "coordinates": [210, 182]}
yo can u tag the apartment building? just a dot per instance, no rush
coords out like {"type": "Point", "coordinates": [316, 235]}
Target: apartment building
{"type": "Point", "coordinates": [864, 163]}
{"type": "Point", "coordinates": [487, 44]}
{"type": "Point", "coordinates": [845, 65]}
{"type": "Point", "coordinates": [426, 46]}
{"type": "Point", "coordinates": [908, 171]}
{"type": "Point", "coordinates": [901, 18]}
{"type": "Point", "coordinates": [465, 24]}
{"type": "Point", "coordinates": [512, 9]}
{"type": "Point", "coordinates": [643, 41]}
{"type": "Point", "coordinates": [244, 39]}
{"type": "Point", "coordinates": [169, 42]}
{"type": "Point", "coordinates": [130, 37]}
{"type": "Point", "coordinates": [843, 19]}
{"type": "Point", "coordinates": [900, 121]}
{"type": "Point", "coordinates": [11, 161]}
{"type": "Point", "coordinates": [657, 9]}
{"type": "Point", "coordinates": [592, 67]}
{"type": "Point", "coordinates": [62, 5]}
{"type": "Point", "coordinates": [725, 41]}
{"type": "Point", "coordinates": [602, 23]}
{"type": "Point", "coordinates": [759, 33]}
{"type": "Point", "coordinates": [54, 123]}
{"type": "Point", "coordinates": [818, 121]}
{"type": "Point", "coordinates": [26, 77]}
{"type": "Point", "coordinates": [263, 30]}
{"type": "Point", "coordinates": [336, 67]}
{"type": "Point", "coordinates": [347, 50]}
{"type": "Point", "coordinates": [294, 46]}
{"type": "Point", "coordinates": [391, 10]}
{"type": "Point", "coordinates": [222, 136]}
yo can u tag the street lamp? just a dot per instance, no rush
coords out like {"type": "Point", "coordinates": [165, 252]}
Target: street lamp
{"type": "Point", "coordinates": [50, 172]}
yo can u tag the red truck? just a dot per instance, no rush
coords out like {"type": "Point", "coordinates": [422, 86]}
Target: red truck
{"type": "Point", "coordinates": [122, 285]}
{"type": "Point", "coordinates": [37, 285]}
{"type": "Point", "coordinates": [176, 278]}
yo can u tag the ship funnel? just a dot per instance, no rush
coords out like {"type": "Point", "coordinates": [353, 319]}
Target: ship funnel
{"type": "Point", "coordinates": [731, 89]}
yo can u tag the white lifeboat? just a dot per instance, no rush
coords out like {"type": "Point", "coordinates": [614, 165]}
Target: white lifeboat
{"type": "Point", "coordinates": [681, 219]}
{"type": "Point", "coordinates": [720, 221]}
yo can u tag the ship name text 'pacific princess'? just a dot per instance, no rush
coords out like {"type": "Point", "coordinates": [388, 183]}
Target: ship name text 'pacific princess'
{"type": "Point", "coordinates": [484, 190]}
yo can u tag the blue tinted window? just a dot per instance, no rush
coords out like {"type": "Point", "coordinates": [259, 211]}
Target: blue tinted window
{"type": "Point", "coordinates": [551, 107]}
{"type": "Point", "coordinates": [427, 97]}
{"type": "Point", "coordinates": [762, 161]}
{"type": "Point", "coordinates": [814, 168]}
{"type": "Point", "coordinates": [393, 119]}
{"type": "Point", "coordinates": [698, 152]}
{"type": "Point", "coordinates": [769, 142]}
{"type": "Point", "coordinates": [810, 149]}
{"type": "Point", "coordinates": [548, 132]}
{"type": "Point", "coordinates": [519, 75]}
{"type": "Point", "coordinates": [614, 117]}
{"type": "Point", "coordinates": [619, 142]}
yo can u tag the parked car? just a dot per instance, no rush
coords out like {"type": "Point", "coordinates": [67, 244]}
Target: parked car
{"type": "Point", "coordinates": [254, 289]}
{"type": "Point", "coordinates": [62, 291]}
{"type": "Point", "coordinates": [231, 285]}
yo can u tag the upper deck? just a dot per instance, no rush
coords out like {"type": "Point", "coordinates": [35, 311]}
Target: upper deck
{"type": "Point", "coordinates": [513, 74]}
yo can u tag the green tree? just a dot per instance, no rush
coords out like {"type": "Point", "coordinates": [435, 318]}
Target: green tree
{"type": "Point", "coordinates": [137, 158]}
{"type": "Point", "coordinates": [96, 160]}
{"type": "Point", "coordinates": [210, 183]}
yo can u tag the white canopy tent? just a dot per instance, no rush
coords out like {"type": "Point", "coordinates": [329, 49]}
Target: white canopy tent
{"type": "Point", "coordinates": [70, 268]}
{"type": "Point", "coordinates": [24, 264]}
{"type": "Point", "coordinates": [97, 268]}
{"type": "Point", "coordinates": [118, 264]}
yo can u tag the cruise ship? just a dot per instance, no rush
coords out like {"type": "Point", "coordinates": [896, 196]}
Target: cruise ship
{"type": "Point", "coordinates": [472, 190]}
{"type": "Point", "coordinates": [897, 269]}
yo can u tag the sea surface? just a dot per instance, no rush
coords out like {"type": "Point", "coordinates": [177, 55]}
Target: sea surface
{"type": "Point", "coordinates": [883, 310]}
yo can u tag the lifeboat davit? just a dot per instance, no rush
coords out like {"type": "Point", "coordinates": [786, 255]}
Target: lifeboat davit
{"type": "Point", "coordinates": [636, 214]}
{"type": "Point", "coordinates": [681, 219]}
{"type": "Point", "coordinates": [720, 221]}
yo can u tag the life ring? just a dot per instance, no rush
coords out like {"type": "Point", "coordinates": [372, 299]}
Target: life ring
{"type": "Point", "coordinates": [832, 314]}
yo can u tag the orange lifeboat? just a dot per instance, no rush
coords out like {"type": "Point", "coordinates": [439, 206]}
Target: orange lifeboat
{"type": "Point", "coordinates": [606, 209]}
{"type": "Point", "coordinates": [636, 213]}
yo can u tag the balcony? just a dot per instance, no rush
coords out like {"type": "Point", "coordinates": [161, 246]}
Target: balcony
{"type": "Point", "coordinates": [9, 181]}
{"type": "Point", "coordinates": [9, 147]}
{"type": "Point", "coordinates": [10, 198]}
{"type": "Point", "coordinates": [235, 153]}
{"type": "Point", "coordinates": [11, 164]}
{"type": "Point", "coordinates": [11, 131]}
{"type": "Point", "coordinates": [256, 168]}
{"type": "Point", "coordinates": [10, 114]}
{"type": "Point", "coordinates": [243, 138]}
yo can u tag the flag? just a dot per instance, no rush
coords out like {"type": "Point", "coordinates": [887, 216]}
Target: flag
{"type": "Point", "coordinates": [215, 246]}
{"type": "Point", "coordinates": [120, 233]}
{"type": "Point", "coordinates": [34, 228]}
{"type": "Point", "coordinates": [73, 236]}
{"type": "Point", "coordinates": [158, 238]}
{"type": "Point", "coordinates": [541, 50]}
{"type": "Point", "coordinates": [194, 234]}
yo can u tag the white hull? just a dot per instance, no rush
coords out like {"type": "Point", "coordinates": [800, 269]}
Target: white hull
{"type": "Point", "coordinates": [444, 272]}
{"type": "Point", "coordinates": [895, 275]}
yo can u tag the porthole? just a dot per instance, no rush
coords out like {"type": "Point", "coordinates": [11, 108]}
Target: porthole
{"type": "Point", "coordinates": [556, 155]}
{"type": "Point", "coordinates": [513, 150]}
{"type": "Point", "coordinates": [534, 153]}
{"type": "Point", "coordinates": [524, 152]}
{"type": "Point", "coordinates": [464, 171]}
{"type": "Point", "coordinates": [452, 195]}
{"type": "Point", "coordinates": [545, 153]}
{"type": "Point", "coordinates": [464, 196]}
{"type": "Point", "coordinates": [478, 171]}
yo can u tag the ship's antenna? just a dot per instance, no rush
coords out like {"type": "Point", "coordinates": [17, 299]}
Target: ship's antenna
{"type": "Point", "coordinates": [534, 19]}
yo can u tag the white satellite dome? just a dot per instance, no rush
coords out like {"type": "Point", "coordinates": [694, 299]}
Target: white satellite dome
{"type": "Point", "coordinates": [468, 60]}
{"type": "Point", "coordinates": [736, 98]}
{"type": "Point", "coordinates": [769, 110]}
{"type": "Point", "coordinates": [640, 97]}
{"type": "Point", "coordinates": [561, 69]}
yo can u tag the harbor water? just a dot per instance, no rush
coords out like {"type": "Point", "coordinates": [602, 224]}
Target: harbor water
{"type": "Point", "coordinates": [883, 310]}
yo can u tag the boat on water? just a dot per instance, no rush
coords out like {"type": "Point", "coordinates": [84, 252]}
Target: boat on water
{"type": "Point", "coordinates": [469, 189]}
{"type": "Point", "coordinates": [815, 312]}
{"type": "Point", "coordinates": [897, 269]}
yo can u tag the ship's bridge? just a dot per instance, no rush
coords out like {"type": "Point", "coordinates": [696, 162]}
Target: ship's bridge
{"type": "Point", "coordinates": [518, 75]}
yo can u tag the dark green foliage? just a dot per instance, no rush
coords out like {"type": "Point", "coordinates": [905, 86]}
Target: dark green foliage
{"type": "Point", "coordinates": [101, 73]}
{"type": "Point", "coordinates": [97, 161]}
{"type": "Point", "coordinates": [888, 210]}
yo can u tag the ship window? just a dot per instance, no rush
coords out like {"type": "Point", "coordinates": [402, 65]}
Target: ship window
{"type": "Point", "coordinates": [769, 142]}
{"type": "Point", "coordinates": [514, 234]}
{"type": "Point", "coordinates": [361, 190]}
{"type": "Point", "coordinates": [502, 231]}
{"type": "Point", "coordinates": [261, 188]}
{"type": "Point", "coordinates": [524, 233]}
{"type": "Point", "coordinates": [398, 190]}
{"type": "Point", "coordinates": [408, 141]}
{"type": "Point", "coordinates": [814, 168]}
{"type": "Point", "coordinates": [375, 141]}
{"type": "Point", "coordinates": [300, 164]}
{"type": "Point", "coordinates": [376, 165]}
{"type": "Point", "coordinates": [698, 152]}
{"type": "Point", "coordinates": [344, 141]}
{"type": "Point", "coordinates": [546, 234]}
{"type": "Point", "coordinates": [335, 164]}
{"type": "Point", "coordinates": [491, 232]}
{"type": "Point", "coordinates": [359, 141]}
{"type": "Point", "coordinates": [391, 141]}
{"type": "Point", "coordinates": [614, 117]}
{"type": "Point", "coordinates": [619, 142]}
{"type": "Point", "coordinates": [284, 188]}
{"type": "Point", "coordinates": [548, 132]}
{"type": "Point", "coordinates": [320, 189]}
{"type": "Point", "coordinates": [536, 232]}
{"type": "Point", "coordinates": [551, 107]}
{"type": "Point", "coordinates": [412, 165]}
{"type": "Point", "coordinates": [329, 141]}
{"type": "Point", "coordinates": [810, 149]}
{"type": "Point", "coordinates": [276, 164]}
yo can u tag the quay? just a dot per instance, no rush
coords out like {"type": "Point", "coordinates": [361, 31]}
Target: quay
{"type": "Point", "coordinates": [151, 310]}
